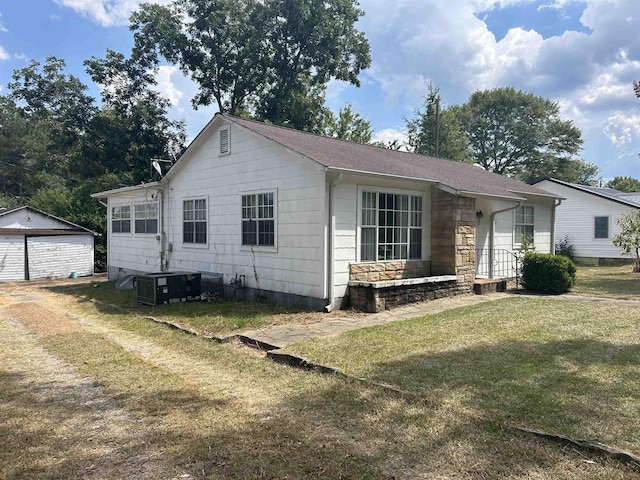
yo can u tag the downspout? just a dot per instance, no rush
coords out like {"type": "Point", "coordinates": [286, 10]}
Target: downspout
{"type": "Point", "coordinates": [164, 263]}
{"type": "Point", "coordinates": [553, 225]}
{"type": "Point", "coordinates": [492, 218]}
{"type": "Point", "coordinates": [332, 230]}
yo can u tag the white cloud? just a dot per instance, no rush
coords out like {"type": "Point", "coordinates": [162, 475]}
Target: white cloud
{"type": "Point", "coordinates": [20, 56]}
{"type": "Point", "coordinates": [166, 86]}
{"type": "Point", "coordinates": [107, 13]}
{"type": "Point", "coordinates": [389, 135]}
{"type": "Point", "coordinates": [4, 55]}
{"type": "Point", "coordinates": [622, 129]}
{"type": "Point", "coordinates": [2, 27]}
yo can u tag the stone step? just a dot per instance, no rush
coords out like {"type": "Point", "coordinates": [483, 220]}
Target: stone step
{"type": "Point", "coordinates": [484, 286]}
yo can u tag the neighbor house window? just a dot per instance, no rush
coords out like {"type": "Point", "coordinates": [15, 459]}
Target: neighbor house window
{"type": "Point", "coordinates": [601, 227]}
{"type": "Point", "coordinates": [121, 219]}
{"type": "Point", "coordinates": [146, 218]}
{"type": "Point", "coordinates": [194, 221]}
{"type": "Point", "coordinates": [524, 225]}
{"type": "Point", "coordinates": [259, 219]}
{"type": "Point", "coordinates": [225, 145]}
{"type": "Point", "coordinates": [391, 227]}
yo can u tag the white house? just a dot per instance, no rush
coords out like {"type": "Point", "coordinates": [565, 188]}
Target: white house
{"type": "Point", "coordinates": [302, 219]}
{"type": "Point", "coordinates": [36, 245]}
{"type": "Point", "coordinates": [587, 218]}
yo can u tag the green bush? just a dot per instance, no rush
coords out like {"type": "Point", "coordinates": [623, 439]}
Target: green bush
{"type": "Point", "coordinates": [546, 273]}
{"type": "Point", "coordinates": [564, 248]}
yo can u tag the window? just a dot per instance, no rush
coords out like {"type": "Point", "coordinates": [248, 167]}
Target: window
{"type": "Point", "coordinates": [121, 219]}
{"type": "Point", "coordinates": [524, 225]}
{"type": "Point", "coordinates": [194, 221]}
{"type": "Point", "coordinates": [258, 219]}
{"type": "Point", "coordinates": [146, 218]}
{"type": "Point", "coordinates": [601, 227]}
{"type": "Point", "coordinates": [225, 146]}
{"type": "Point", "coordinates": [391, 227]}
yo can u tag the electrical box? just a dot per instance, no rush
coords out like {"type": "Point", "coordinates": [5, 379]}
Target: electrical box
{"type": "Point", "coordinates": [168, 287]}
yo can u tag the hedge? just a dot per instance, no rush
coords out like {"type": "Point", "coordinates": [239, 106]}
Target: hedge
{"type": "Point", "coordinates": [546, 273]}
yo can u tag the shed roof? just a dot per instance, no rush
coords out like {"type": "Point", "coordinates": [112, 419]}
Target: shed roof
{"type": "Point", "coordinates": [72, 226]}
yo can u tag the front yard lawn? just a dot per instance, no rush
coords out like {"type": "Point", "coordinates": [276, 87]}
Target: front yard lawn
{"type": "Point", "coordinates": [551, 365]}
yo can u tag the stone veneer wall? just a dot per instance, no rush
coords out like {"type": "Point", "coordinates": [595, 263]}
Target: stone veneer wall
{"type": "Point", "coordinates": [377, 272]}
{"type": "Point", "coordinates": [453, 237]}
{"type": "Point", "coordinates": [372, 299]}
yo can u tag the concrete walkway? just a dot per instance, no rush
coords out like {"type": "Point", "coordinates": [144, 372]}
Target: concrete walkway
{"type": "Point", "coordinates": [344, 321]}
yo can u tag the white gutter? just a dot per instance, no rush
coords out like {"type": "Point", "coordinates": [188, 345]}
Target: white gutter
{"type": "Point", "coordinates": [330, 244]}
{"type": "Point", "coordinates": [492, 218]}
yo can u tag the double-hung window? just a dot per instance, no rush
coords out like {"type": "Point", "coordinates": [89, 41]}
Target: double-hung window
{"type": "Point", "coordinates": [146, 218]}
{"type": "Point", "coordinates": [259, 219]}
{"type": "Point", "coordinates": [391, 227]}
{"type": "Point", "coordinates": [121, 219]}
{"type": "Point", "coordinates": [194, 221]}
{"type": "Point", "coordinates": [524, 231]}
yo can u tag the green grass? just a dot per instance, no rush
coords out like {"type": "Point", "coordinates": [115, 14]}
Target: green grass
{"type": "Point", "coordinates": [219, 317]}
{"type": "Point", "coordinates": [607, 282]}
{"type": "Point", "coordinates": [547, 364]}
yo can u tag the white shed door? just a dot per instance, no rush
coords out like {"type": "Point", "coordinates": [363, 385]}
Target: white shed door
{"type": "Point", "coordinates": [59, 256]}
{"type": "Point", "coordinates": [11, 258]}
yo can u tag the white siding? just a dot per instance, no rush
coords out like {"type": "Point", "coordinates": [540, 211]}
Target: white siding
{"type": "Point", "coordinates": [58, 256]}
{"type": "Point", "coordinates": [575, 218]}
{"type": "Point", "coordinates": [296, 264]}
{"type": "Point", "coordinates": [11, 258]}
{"type": "Point", "coordinates": [131, 251]}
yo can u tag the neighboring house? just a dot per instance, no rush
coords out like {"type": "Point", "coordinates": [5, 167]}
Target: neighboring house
{"type": "Point", "coordinates": [587, 217]}
{"type": "Point", "coordinates": [36, 245]}
{"type": "Point", "coordinates": [312, 221]}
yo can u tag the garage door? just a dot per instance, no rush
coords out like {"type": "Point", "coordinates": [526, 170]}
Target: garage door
{"type": "Point", "coordinates": [59, 256]}
{"type": "Point", "coordinates": [11, 258]}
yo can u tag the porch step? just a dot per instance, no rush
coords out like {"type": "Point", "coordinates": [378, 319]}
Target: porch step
{"type": "Point", "coordinates": [484, 286]}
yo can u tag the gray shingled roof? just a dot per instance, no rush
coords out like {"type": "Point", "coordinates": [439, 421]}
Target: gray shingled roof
{"type": "Point", "coordinates": [631, 199]}
{"type": "Point", "coordinates": [342, 155]}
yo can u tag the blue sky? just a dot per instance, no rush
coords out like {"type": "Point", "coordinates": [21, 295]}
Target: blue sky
{"type": "Point", "coordinates": [582, 54]}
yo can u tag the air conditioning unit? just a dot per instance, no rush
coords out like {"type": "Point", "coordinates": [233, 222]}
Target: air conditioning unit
{"type": "Point", "coordinates": [168, 287]}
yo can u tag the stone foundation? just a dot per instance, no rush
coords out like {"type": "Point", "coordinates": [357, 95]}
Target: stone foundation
{"type": "Point", "coordinates": [375, 297]}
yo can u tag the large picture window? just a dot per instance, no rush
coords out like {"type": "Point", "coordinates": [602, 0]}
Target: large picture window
{"type": "Point", "coordinates": [194, 221]}
{"type": "Point", "coordinates": [259, 219]}
{"type": "Point", "coordinates": [524, 231]}
{"type": "Point", "coordinates": [121, 219]}
{"type": "Point", "coordinates": [391, 227]}
{"type": "Point", "coordinates": [146, 218]}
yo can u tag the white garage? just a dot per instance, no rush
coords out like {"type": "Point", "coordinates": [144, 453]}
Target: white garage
{"type": "Point", "coordinates": [36, 245]}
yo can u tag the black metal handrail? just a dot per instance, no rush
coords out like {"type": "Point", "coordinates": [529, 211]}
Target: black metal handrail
{"type": "Point", "coordinates": [498, 263]}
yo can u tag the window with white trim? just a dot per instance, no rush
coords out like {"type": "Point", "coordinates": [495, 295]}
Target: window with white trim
{"type": "Point", "coordinates": [194, 221]}
{"type": "Point", "coordinates": [524, 225]}
{"type": "Point", "coordinates": [391, 227]}
{"type": "Point", "coordinates": [146, 218]}
{"type": "Point", "coordinates": [225, 143]}
{"type": "Point", "coordinates": [121, 219]}
{"type": "Point", "coordinates": [601, 227]}
{"type": "Point", "coordinates": [259, 219]}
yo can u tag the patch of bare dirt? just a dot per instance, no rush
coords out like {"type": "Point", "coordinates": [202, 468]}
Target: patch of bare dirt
{"type": "Point", "coordinates": [40, 320]}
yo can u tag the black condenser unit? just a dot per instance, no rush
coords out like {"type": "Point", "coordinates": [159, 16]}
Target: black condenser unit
{"type": "Point", "coordinates": [168, 287]}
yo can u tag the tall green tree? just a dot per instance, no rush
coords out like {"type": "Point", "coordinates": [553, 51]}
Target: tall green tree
{"type": "Point", "coordinates": [349, 125]}
{"type": "Point", "coordinates": [435, 131]}
{"type": "Point", "coordinates": [268, 58]}
{"type": "Point", "coordinates": [513, 133]}
{"type": "Point", "coordinates": [624, 184]}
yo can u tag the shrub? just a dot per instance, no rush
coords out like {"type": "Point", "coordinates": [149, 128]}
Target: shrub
{"type": "Point", "coordinates": [546, 273]}
{"type": "Point", "coordinates": [564, 248]}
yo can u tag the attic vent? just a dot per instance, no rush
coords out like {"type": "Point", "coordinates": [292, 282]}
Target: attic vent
{"type": "Point", "coordinates": [224, 141]}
